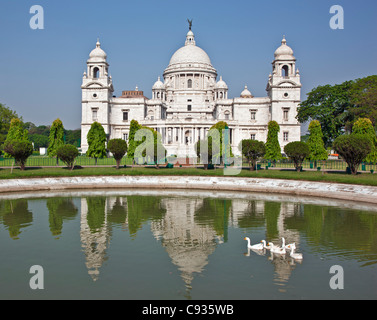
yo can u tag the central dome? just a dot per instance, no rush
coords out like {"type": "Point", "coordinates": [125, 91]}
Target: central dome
{"type": "Point", "coordinates": [190, 56]}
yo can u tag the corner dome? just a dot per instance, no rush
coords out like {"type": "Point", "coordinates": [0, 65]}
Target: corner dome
{"type": "Point", "coordinates": [97, 54]}
{"type": "Point", "coordinates": [246, 93]}
{"type": "Point", "coordinates": [221, 84]}
{"type": "Point", "coordinates": [284, 52]}
{"type": "Point", "coordinates": [158, 84]}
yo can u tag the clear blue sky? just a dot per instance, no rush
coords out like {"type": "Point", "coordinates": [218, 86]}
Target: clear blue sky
{"type": "Point", "coordinates": [41, 70]}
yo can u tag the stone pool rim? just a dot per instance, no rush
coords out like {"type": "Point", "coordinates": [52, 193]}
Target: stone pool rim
{"type": "Point", "coordinates": [339, 191]}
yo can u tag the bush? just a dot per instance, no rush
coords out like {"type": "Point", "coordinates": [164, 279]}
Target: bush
{"type": "Point", "coordinates": [252, 150]}
{"type": "Point", "coordinates": [353, 149]}
{"type": "Point", "coordinates": [67, 153]}
{"type": "Point", "coordinates": [297, 151]}
{"type": "Point", "coordinates": [118, 147]}
{"type": "Point", "coordinates": [19, 150]}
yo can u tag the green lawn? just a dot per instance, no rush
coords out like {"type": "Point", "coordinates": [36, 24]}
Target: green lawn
{"type": "Point", "coordinates": [365, 178]}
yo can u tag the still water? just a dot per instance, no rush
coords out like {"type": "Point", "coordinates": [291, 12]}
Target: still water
{"type": "Point", "coordinates": [144, 244]}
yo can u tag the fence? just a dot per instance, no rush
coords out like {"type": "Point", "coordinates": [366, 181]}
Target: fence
{"type": "Point", "coordinates": [41, 161]}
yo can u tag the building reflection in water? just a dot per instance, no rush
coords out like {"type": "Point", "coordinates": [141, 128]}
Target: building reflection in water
{"type": "Point", "coordinates": [188, 228]}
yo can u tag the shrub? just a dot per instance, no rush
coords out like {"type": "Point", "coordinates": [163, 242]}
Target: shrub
{"type": "Point", "coordinates": [273, 150]}
{"type": "Point", "coordinates": [67, 154]}
{"type": "Point", "coordinates": [19, 150]}
{"type": "Point", "coordinates": [252, 150]}
{"type": "Point", "coordinates": [297, 151]}
{"type": "Point", "coordinates": [118, 147]}
{"type": "Point", "coordinates": [353, 149]}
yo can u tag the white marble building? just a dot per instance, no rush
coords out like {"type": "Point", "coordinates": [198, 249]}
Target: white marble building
{"type": "Point", "coordinates": [189, 99]}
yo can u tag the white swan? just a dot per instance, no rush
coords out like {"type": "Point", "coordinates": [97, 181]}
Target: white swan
{"type": "Point", "coordinates": [258, 246]}
{"type": "Point", "coordinates": [286, 246]}
{"type": "Point", "coordinates": [293, 254]}
{"type": "Point", "coordinates": [276, 249]}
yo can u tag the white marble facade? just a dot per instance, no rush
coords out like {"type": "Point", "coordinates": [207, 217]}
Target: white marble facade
{"type": "Point", "coordinates": [189, 99]}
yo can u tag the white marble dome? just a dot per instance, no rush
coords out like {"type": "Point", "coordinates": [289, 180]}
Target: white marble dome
{"type": "Point", "coordinates": [190, 54]}
{"type": "Point", "coordinates": [284, 52]}
{"type": "Point", "coordinates": [97, 54]}
{"type": "Point", "coordinates": [190, 57]}
{"type": "Point", "coordinates": [158, 84]}
{"type": "Point", "coordinates": [246, 93]}
{"type": "Point", "coordinates": [221, 84]}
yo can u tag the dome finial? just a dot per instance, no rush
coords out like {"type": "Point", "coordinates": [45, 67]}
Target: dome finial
{"type": "Point", "coordinates": [283, 41]}
{"type": "Point", "coordinates": [98, 45]}
{"type": "Point", "coordinates": [190, 23]}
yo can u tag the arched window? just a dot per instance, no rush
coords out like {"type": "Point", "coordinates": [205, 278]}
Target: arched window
{"type": "Point", "coordinates": [284, 71]}
{"type": "Point", "coordinates": [189, 83]}
{"type": "Point", "coordinates": [95, 73]}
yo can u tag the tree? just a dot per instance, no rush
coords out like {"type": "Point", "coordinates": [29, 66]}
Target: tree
{"type": "Point", "coordinates": [364, 99]}
{"type": "Point", "coordinates": [55, 139]}
{"type": "Point", "coordinates": [273, 150]}
{"type": "Point", "coordinates": [6, 115]}
{"type": "Point", "coordinates": [364, 127]}
{"type": "Point", "coordinates": [205, 150]}
{"type": "Point", "coordinates": [315, 142]}
{"type": "Point", "coordinates": [353, 148]}
{"type": "Point", "coordinates": [297, 151]}
{"type": "Point", "coordinates": [132, 144]}
{"type": "Point", "coordinates": [118, 147]}
{"type": "Point", "coordinates": [67, 153]}
{"type": "Point", "coordinates": [96, 141]}
{"type": "Point", "coordinates": [222, 126]}
{"type": "Point", "coordinates": [20, 150]}
{"type": "Point", "coordinates": [252, 150]}
{"type": "Point", "coordinates": [330, 106]}
{"type": "Point", "coordinates": [16, 133]}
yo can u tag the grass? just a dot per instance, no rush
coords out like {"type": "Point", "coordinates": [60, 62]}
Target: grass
{"type": "Point", "coordinates": [330, 176]}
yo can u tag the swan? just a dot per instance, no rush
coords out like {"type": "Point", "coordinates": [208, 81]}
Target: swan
{"type": "Point", "coordinates": [296, 256]}
{"type": "Point", "coordinates": [286, 246]}
{"type": "Point", "coordinates": [293, 254]}
{"type": "Point", "coordinates": [258, 246]}
{"type": "Point", "coordinates": [276, 249]}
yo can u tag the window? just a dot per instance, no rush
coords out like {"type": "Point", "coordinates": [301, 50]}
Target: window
{"type": "Point", "coordinates": [285, 114]}
{"type": "Point", "coordinates": [284, 71]}
{"type": "Point", "coordinates": [125, 116]}
{"type": "Point", "coordinates": [125, 136]}
{"type": "Point", "coordinates": [227, 116]}
{"type": "Point", "coordinates": [252, 136]}
{"type": "Point", "coordinates": [285, 136]}
{"type": "Point", "coordinates": [94, 114]}
{"type": "Point", "coordinates": [252, 115]}
{"type": "Point", "coordinates": [95, 73]}
{"type": "Point", "coordinates": [189, 83]}
{"type": "Point", "coordinates": [189, 107]}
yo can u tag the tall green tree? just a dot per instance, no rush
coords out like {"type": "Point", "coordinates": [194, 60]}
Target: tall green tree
{"type": "Point", "coordinates": [96, 141]}
{"type": "Point", "coordinates": [132, 144]}
{"type": "Point", "coordinates": [315, 142]}
{"type": "Point", "coordinates": [273, 150]}
{"type": "Point", "coordinates": [364, 127]}
{"type": "Point", "coordinates": [364, 99]}
{"type": "Point", "coordinates": [55, 139]}
{"type": "Point", "coordinates": [6, 115]}
{"type": "Point", "coordinates": [16, 133]}
{"type": "Point", "coordinates": [330, 106]}
{"type": "Point", "coordinates": [225, 147]}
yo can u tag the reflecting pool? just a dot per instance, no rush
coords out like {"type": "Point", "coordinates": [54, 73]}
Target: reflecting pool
{"type": "Point", "coordinates": [149, 244]}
